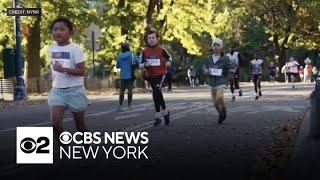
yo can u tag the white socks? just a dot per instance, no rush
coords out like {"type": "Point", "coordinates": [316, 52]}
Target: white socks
{"type": "Point", "coordinates": [163, 113]}
{"type": "Point", "coordinates": [158, 114]}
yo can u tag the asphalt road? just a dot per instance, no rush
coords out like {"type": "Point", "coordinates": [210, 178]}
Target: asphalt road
{"type": "Point", "coordinates": [193, 146]}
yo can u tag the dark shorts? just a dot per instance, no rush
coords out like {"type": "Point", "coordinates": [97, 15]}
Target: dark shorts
{"type": "Point", "coordinates": [294, 74]}
{"type": "Point", "coordinates": [126, 84]}
{"type": "Point", "coordinates": [256, 77]}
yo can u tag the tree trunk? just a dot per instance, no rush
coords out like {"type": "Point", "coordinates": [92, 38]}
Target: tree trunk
{"type": "Point", "coordinates": [33, 57]}
{"type": "Point", "coordinates": [151, 6]}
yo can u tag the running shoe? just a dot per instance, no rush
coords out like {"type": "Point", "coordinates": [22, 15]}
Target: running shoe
{"type": "Point", "coordinates": [157, 122]}
{"type": "Point", "coordinates": [167, 118]}
{"type": "Point", "coordinates": [120, 108]}
{"type": "Point", "coordinates": [222, 116]}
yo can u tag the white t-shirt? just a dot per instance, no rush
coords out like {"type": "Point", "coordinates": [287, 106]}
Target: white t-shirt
{"type": "Point", "coordinates": [234, 58]}
{"type": "Point", "coordinates": [215, 58]}
{"type": "Point", "coordinates": [68, 56]}
{"type": "Point", "coordinates": [257, 66]}
{"type": "Point", "coordinates": [293, 66]}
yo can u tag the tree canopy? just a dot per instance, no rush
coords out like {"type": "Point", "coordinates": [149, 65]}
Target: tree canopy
{"type": "Point", "coordinates": [277, 27]}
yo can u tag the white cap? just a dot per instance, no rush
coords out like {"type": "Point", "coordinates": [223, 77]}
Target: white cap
{"type": "Point", "coordinates": [217, 41]}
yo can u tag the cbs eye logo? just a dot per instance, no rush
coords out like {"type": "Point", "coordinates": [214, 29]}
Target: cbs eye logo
{"type": "Point", "coordinates": [29, 145]}
{"type": "Point", "coordinates": [65, 137]}
{"type": "Point", "coordinates": [34, 145]}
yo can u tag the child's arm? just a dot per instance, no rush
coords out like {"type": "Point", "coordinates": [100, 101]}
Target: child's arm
{"type": "Point", "coordinates": [78, 71]}
{"type": "Point", "coordinates": [47, 74]}
{"type": "Point", "coordinates": [142, 64]}
{"type": "Point", "coordinates": [166, 55]}
{"type": "Point", "coordinates": [136, 59]}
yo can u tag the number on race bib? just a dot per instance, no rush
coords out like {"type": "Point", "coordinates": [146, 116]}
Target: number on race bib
{"type": "Point", "coordinates": [64, 62]}
{"type": "Point", "coordinates": [215, 72]}
{"type": "Point", "coordinates": [154, 62]}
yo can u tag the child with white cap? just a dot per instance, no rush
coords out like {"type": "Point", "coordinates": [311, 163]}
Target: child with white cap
{"type": "Point", "coordinates": [220, 69]}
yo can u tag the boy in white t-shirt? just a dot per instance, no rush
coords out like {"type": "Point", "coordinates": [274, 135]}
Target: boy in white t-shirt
{"type": "Point", "coordinates": [257, 73]}
{"type": "Point", "coordinates": [68, 69]}
{"type": "Point", "coordinates": [294, 71]}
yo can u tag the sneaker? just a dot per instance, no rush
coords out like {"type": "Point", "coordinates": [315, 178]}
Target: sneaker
{"type": "Point", "coordinates": [167, 118]}
{"type": "Point", "coordinates": [222, 116]}
{"type": "Point", "coordinates": [157, 122]}
{"type": "Point", "coordinates": [233, 98]}
{"type": "Point", "coordinates": [257, 97]}
{"type": "Point", "coordinates": [260, 94]}
{"type": "Point", "coordinates": [240, 92]}
{"type": "Point", "coordinates": [120, 108]}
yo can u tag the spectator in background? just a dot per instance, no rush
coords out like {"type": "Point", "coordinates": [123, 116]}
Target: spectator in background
{"type": "Point", "coordinates": [286, 71]}
{"type": "Point", "coordinates": [169, 75]}
{"type": "Point", "coordinates": [301, 74]}
{"type": "Point", "coordinates": [315, 71]}
{"type": "Point", "coordinates": [309, 71]}
{"type": "Point", "coordinates": [192, 75]}
{"type": "Point", "coordinates": [293, 67]}
{"type": "Point", "coordinates": [272, 71]}
{"type": "Point", "coordinates": [125, 60]}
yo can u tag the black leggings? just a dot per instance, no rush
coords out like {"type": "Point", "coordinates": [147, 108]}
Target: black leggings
{"type": "Point", "coordinates": [169, 80]}
{"type": "Point", "coordinates": [257, 82]}
{"type": "Point", "coordinates": [156, 84]}
{"type": "Point", "coordinates": [126, 84]}
{"type": "Point", "coordinates": [235, 81]}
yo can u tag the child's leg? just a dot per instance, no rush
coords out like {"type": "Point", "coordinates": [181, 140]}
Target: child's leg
{"type": "Point", "coordinates": [79, 121]}
{"type": "Point", "coordinates": [259, 82]}
{"type": "Point", "coordinates": [231, 82]}
{"type": "Point", "coordinates": [214, 100]}
{"type": "Point", "coordinates": [255, 79]}
{"type": "Point", "coordinates": [292, 79]}
{"type": "Point", "coordinates": [130, 94]}
{"type": "Point", "coordinates": [220, 99]}
{"type": "Point", "coordinates": [122, 89]}
{"type": "Point", "coordinates": [57, 113]}
{"type": "Point", "coordinates": [155, 94]}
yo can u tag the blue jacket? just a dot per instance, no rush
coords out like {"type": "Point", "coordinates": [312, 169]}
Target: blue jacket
{"type": "Point", "coordinates": [272, 70]}
{"type": "Point", "coordinates": [124, 62]}
{"type": "Point", "coordinates": [170, 69]}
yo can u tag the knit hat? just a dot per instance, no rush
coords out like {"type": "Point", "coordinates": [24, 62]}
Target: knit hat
{"type": "Point", "coordinates": [217, 41]}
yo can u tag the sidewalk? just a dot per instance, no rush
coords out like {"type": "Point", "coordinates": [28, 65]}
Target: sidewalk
{"type": "Point", "coordinates": [38, 99]}
{"type": "Point", "coordinates": [305, 160]}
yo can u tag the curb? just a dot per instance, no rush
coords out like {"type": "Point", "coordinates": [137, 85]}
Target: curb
{"type": "Point", "coordinates": [22, 103]}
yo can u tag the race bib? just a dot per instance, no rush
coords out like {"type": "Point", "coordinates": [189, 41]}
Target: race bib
{"type": "Point", "coordinates": [154, 62]}
{"type": "Point", "coordinates": [62, 58]}
{"type": "Point", "coordinates": [215, 72]}
{"type": "Point", "coordinates": [256, 70]}
{"type": "Point", "coordinates": [64, 62]}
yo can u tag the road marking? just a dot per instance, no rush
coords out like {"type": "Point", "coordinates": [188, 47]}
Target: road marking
{"type": "Point", "coordinates": [149, 124]}
{"type": "Point", "coordinates": [127, 116]}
